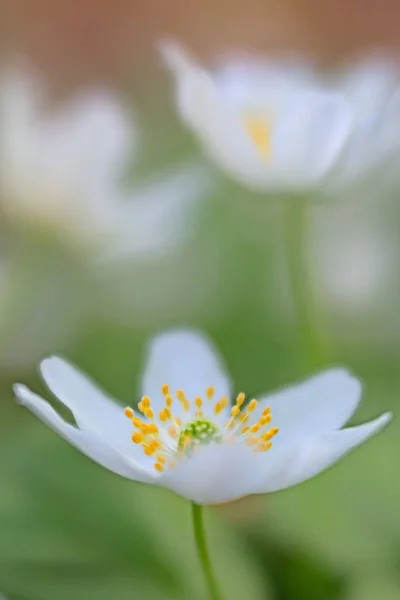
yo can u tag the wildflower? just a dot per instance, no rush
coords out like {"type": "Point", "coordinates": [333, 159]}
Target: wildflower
{"type": "Point", "coordinates": [273, 128]}
{"type": "Point", "coordinates": [61, 171]}
{"type": "Point", "coordinates": [282, 127]}
{"type": "Point", "coordinates": [187, 436]}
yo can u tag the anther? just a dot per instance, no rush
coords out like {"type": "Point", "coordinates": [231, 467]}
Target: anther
{"type": "Point", "coordinates": [210, 392]}
{"type": "Point", "coordinates": [172, 431]}
{"type": "Point", "coordinates": [265, 446]}
{"type": "Point", "coordinates": [128, 412]}
{"type": "Point", "coordinates": [235, 411]}
{"type": "Point", "coordinates": [145, 402]}
{"type": "Point", "coordinates": [252, 405]}
{"type": "Point", "coordinates": [149, 413]}
{"type": "Point", "coordinates": [165, 389]}
{"type": "Point", "coordinates": [224, 402]}
{"type": "Point", "coordinates": [180, 394]}
{"type": "Point", "coordinates": [161, 459]}
{"type": "Point", "coordinates": [159, 467]}
{"type": "Point", "coordinates": [168, 400]}
{"type": "Point", "coordinates": [240, 399]}
{"type": "Point", "coordinates": [137, 437]}
{"type": "Point", "coordinates": [245, 429]}
{"type": "Point", "coordinates": [198, 401]}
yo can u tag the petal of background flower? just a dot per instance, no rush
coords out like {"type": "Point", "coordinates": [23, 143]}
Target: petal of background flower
{"type": "Point", "coordinates": [309, 135]}
{"type": "Point", "coordinates": [93, 410]}
{"type": "Point", "coordinates": [86, 441]}
{"type": "Point", "coordinates": [92, 135]}
{"type": "Point", "coordinates": [215, 120]}
{"type": "Point", "coordinates": [296, 463]}
{"type": "Point", "coordinates": [318, 405]}
{"type": "Point", "coordinates": [160, 214]}
{"type": "Point", "coordinates": [183, 359]}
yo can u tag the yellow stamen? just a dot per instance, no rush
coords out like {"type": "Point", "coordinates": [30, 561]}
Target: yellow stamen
{"type": "Point", "coordinates": [224, 402]}
{"type": "Point", "coordinates": [137, 437]}
{"type": "Point", "coordinates": [149, 413]}
{"type": "Point", "coordinates": [235, 411]}
{"type": "Point", "coordinates": [128, 412]}
{"type": "Point", "coordinates": [255, 428]}
{"type": "Point", "coordinates": [180, 394]}
{"type": "Point", "coordinates": [168, 400]}
{"type": "Point", "coordinates": [252, 405]}
{"type": "Point", "coordinates": [218, 408]}
{"type": "Point", "coordinates": [260, 133]}
{"type": "Point", "coordinates": [161, 458]}
{"type": "Point", "coordinates": [245, 429]}
{"type": "Point", "coordinates": [240, 399]}
{"type": "Point", "coordinates": [152, 428]}
{"type": "Point", "coordinates": [145, 402]}
{"type": "Point", "coordinates": [210, 392]}
{"type": "Point", "coordinates": [198, 402]}
{"type": "Point", "coordinates": [137, 422]}
{"type": "Point", "coordinates": [165, 389]}
{"type": "Point", "coordinates": [159, 467]}
{"type": "Point", "coordinates": [172, 431]}
{"type": "Point", "coordinates": [264, 447]}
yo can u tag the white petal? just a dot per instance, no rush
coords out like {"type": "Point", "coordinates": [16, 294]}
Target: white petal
{"type": "Point", "coordinates": [93, 410]}
{"type": "Point", "coordinates": [311, 131]}
{"type": "Point", "coordinates": [186, 360]}
{"type": "Point", "coordinates": [299, 462]}
{"type": "Point", "coordinates": [318, 405]}
{"type": "Point", "coordinates": [159, 216]}
{"type": "Point", "coordinates": [309, 126]}
{"type": "Point", "coordinates": [215, 121]}
{"type": "Point", "coordinates": [85, 441]}
{"type": "Point", "coordinates": [216, 473]}
{"type": "Point", "coordinates": [90, 137]}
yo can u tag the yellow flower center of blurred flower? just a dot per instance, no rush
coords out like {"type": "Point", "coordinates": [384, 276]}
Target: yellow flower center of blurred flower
{"type": "Point", "coordinates": [260, 133]}
{"type": "Point", "coordinates": [169, 438]}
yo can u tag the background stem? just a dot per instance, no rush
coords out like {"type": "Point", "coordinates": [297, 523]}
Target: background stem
{"type": "Point", "coordinates": [208, 572]}
{"type": "Point", "coordinates": [314, 347]}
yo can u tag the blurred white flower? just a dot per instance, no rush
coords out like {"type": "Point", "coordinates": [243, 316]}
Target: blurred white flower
{"type": "Point", "coordinates": [61, 172]}
{"type": "Point", "coordinates": [372, 85]}
{"type": "Point", "coordinates": [283, 127]}
{"type": "Point", "coordinates": [189, 439]}
{"type": "Point", "coordinates": [272, 127]}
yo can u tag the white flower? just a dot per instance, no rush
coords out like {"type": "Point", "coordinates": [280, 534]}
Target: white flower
{"type": "Point", "coordinates": [372, 85]}
{"type": "Point", "coordinates": [272, 127]}
{"type": "Point", "coordinates": [62, 170]}
{"type": "Point", "coordinates": [283, 127]}
{"type": "Point", "coordinates": [189, 439]}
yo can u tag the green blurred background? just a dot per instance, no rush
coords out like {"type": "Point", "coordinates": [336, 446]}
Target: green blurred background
{"type": "Point", "coordinates": [69, 529]}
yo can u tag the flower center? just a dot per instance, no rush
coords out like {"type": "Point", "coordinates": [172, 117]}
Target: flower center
{"type": "Point", "coordinates": [168, 438]}
{"type": "Point", "coordinates": [198, 431]}
{"type": "Point", "coordinates": [260, 133]}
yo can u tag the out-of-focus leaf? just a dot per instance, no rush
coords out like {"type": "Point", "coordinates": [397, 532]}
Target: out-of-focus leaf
{"type": "Point", "coordinates": [294, 574]}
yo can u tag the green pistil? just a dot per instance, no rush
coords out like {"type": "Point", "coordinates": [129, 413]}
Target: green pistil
{"type": "Point", "coordinates": [199, 431]}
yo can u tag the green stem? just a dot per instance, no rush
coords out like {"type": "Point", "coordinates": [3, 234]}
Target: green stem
{"type": "Point", "coordinates": [313, 344]}
{"type": "Point", "coordinates": [208, 572]}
